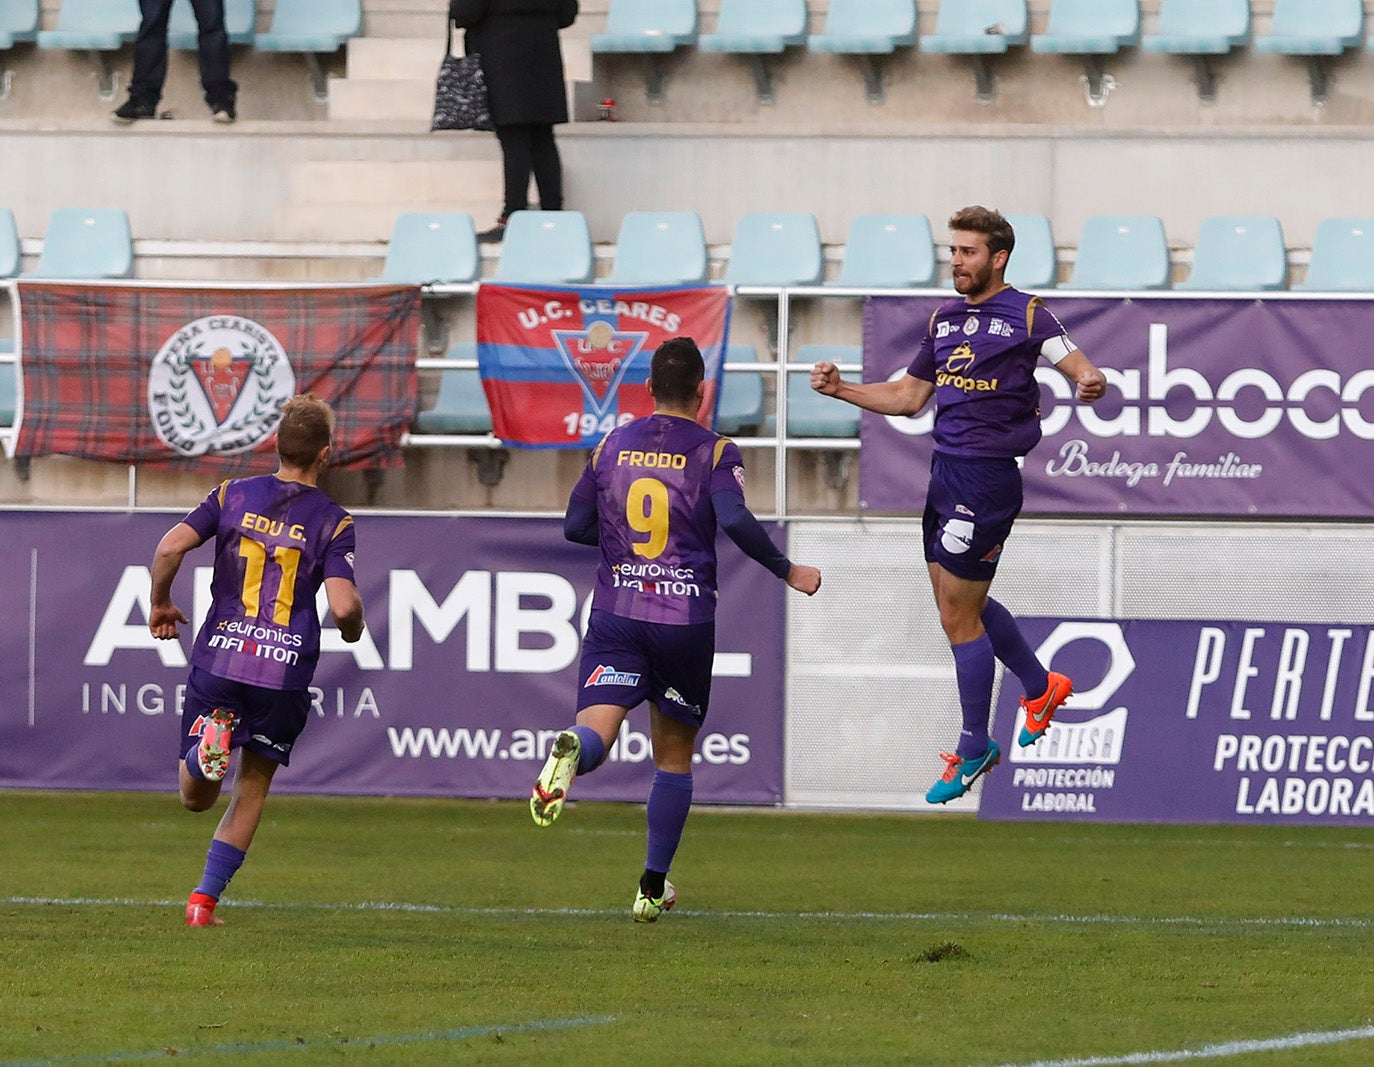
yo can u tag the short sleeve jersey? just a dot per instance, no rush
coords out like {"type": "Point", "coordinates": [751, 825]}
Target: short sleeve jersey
{"type": "Point", "coordinates": [275, 544]}
{"type": "Point", "coordinates": [982, 359]}
{"type": "Point", "coordinates": [653, 479]}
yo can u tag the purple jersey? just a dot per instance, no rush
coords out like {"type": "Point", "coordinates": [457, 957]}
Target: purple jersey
{"type": "Point", "coordinates": [652, 480]}
{"type": "Point", "coordinates": [275, 544]}
{"type": "Point", "coordinates": [982, 360]}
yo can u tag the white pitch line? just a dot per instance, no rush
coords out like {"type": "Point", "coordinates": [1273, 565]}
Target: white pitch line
{"type": "Point", "coordinates": [1214, 1052]}
{"type": "Point", "coordinates": [1291, 922]}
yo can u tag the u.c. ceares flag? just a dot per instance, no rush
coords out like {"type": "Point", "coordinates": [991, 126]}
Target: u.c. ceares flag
{"type": "Point", "coordinates": [562, 366]}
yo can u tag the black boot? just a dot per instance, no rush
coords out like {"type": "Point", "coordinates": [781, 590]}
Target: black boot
{"type": "Point", "coordinates": [495, 234]}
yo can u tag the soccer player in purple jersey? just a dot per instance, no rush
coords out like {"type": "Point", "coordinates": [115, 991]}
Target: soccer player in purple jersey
{"type": "Point", "coordinates": [978, 360]}
{"type": "Point", "coordinates": [651, 497]}
{"type": "Point", "coordinates": [278, 538]}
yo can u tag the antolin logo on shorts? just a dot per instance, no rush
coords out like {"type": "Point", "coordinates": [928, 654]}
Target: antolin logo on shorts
{"type": "Point", "coordinates": [604, 675]}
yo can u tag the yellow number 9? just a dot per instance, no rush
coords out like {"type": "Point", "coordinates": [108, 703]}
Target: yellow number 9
{"type": "Point", "coordinates": [646, 510]}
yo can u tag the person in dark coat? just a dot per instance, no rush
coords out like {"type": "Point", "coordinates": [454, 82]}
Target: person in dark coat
{"type": "Point", "coordinates": [517, 41]}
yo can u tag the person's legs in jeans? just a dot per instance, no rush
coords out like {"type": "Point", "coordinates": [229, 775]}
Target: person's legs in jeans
{"type": "Point", "coordinates": [150, 52]}
{"type": "Point", "coordinates": [213, 42]}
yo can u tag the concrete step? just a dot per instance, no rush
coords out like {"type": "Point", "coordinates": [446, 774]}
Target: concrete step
{"type": "Point", "coordinates": [367, 222]}
{"type": "Point", "coordinates": [395, 58]}
{"type": "Point", "coordinates": [422, 184]}
{"type": "Point", "coordinates": [374, 99]}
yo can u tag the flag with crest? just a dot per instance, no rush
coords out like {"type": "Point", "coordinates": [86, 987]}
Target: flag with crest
{"type": "Point", "coordinates": [165, 376]}
{"type": "Point", "coordinates": [562, 366]}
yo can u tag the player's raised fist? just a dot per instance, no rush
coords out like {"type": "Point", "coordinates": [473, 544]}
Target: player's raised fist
{"type": "Point", "coordinates": [804, 579]}
{"type": "Point", "coordinates": [825, 378]}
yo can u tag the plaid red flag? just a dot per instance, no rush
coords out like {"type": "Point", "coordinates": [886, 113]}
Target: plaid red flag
{"type": "Point", "coordinates": [187, 377]}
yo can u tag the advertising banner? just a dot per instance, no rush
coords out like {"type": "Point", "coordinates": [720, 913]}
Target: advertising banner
{"type": "Point", "coordinates": [467, 669]}
{"type": "Point", "coordinates": [1194, 722]}
{"type": "Point", "coordinates": [164, 376]}
{"type": "Point", "coordinates": [563, 367]}
{"type": "Point", "coordinates": [1214, 407]}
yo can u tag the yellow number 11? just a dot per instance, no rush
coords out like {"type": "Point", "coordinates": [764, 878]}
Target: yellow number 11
{"type": "Point", "coordinates": [287, 559]}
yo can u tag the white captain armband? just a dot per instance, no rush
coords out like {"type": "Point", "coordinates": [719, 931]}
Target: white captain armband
{"type": "Point", "coordinates": [1056, 348]}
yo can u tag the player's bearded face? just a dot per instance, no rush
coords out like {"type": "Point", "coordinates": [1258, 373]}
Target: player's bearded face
{"type": "Point", "coordinates": [970, 263]}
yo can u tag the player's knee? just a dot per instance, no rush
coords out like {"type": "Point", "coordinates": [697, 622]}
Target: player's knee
{"type": "Point", "coordinates": [197, 801]}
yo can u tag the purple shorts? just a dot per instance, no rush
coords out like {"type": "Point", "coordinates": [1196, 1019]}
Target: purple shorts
{"type": "Point", "coordinates": [970, 507]}
{"type": "Point", "coordinates": [268, 720]}
{"type": "Point", "coordinates": [625, 661]}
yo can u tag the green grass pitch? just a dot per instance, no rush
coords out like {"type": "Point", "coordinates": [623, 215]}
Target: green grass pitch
{"type": "Point", "coordinates": [378, 931]}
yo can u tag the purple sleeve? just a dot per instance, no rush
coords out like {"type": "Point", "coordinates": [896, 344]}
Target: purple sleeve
{"type": "Point", "coordinates": [923, 363]}
{"type": "Point", "coordinates": [580, 523]}
{"type": "Point", "coordinates": [738, 522]}
{"type": "Point", "coordinates": [1042, 324]}
{"type": "Point", "coordinates": [205, 518]}
{"type": "Point", "coordinates": [728, 473]}
{"type": "Point", "coordinates": [338, 557]}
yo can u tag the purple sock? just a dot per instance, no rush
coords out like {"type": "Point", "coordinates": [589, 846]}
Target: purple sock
{"type": "Point", "coordinates": [974, 667]}
{"type": "Point", "coordinates": [670, 799]}
{"type": "Point", "coordinates": [593, 751]}
{"type": "Point", "coordinates": [1011, 648]}
{"type": "Point", "coordinates": [192, 762]}
{"type": "Point", "coordinates": [221, 862]}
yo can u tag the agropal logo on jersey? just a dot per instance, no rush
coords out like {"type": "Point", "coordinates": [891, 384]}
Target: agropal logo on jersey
{"type": "Point", "coordinates": [217, 386]}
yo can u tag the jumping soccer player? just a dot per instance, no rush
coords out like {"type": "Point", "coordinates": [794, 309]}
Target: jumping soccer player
{"type": "Point", "coordinates": [978, 359]}
{"type": "Point", "coordinates": [278, 538]}
{"type": "Point", "coordinates": [652, 496]}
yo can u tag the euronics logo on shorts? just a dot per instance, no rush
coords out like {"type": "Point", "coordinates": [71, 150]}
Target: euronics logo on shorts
{"type": "Point", "coordinates": [217, 386]}
{"type": "Point", "coordinates": [610, 676]}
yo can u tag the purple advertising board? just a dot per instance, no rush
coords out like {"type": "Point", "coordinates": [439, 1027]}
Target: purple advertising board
{"type": "Point", "coordinates": [1215, 406]}
{"type": "Point", "coordinates": [467, 669]}
{"type": "Point", "coordinates": [1194, 722]}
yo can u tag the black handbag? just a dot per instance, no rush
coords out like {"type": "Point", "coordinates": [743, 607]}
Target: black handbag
{"type": "Point", "coordinates": [460, 93]}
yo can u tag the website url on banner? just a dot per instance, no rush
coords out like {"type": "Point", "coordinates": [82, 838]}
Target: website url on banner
{"type": "Point", "coordinates": [461, 742]}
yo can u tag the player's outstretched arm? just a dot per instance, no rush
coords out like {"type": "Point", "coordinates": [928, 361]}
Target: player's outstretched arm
{"type": "Point", "coordinates": [804, 579]}
{"type": "Point", "coordinates": [905, 396]}
{"type": "Point", "coordinates": [164, 615]}
{"type": "Point", "coordinates": [1079, 369]}
{"type": "Point", "coordinates": [346, 605]}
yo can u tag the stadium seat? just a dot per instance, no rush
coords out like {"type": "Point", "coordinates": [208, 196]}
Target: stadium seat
{"type": "Point", "coordinates": [95, 26]}
{"type": "Point", "coordinates": [18, 25]}
{"type": "Point", "coordinates": [756, 28]}
{"type": "Point", "coordinates": [462, 403]}
{"type": "Point", "coordinates": [775, 248]}
{"type": "Point", "coordinates": [85, 243]}
{"type": "Point", "coordinates": [9, 392]}
{"type": "Point", "coordinates": [1238, 253]}
{"type": "Point", "coordinates": [312, 28]}
{"type": "Point", "coordinates": [651, 28]}
{"type": "Point", "coordinates": [9, 244]}
{"type": "Point", "coordinates": [811, 414]}
{"type": "Point", "coordinates": [659, 248]}
{"type": "Point", "coordinates": [1034, 263]}
{"type": "Point", "coordinates": [546, 248]}
{"type": "Point", "coordinates": [1342, 257]}
{"type": "Point", "coordinates": [978, 28]}
{"type": "Point", "coordinates": [429, 247]}
{"type": "Point", "coordinates": [240, 20]}
{"type": "Point", "coordinates": [740, 410]}
{"type": "Point", "coordinates": [1121, 252]}
{"type": "Point", "coordinates": [1316, 30]}
{"type": "Point", "coordinates": [1200, 29]}
{"type": "Point", "coordinates": [888, 252]}
{"type": "Point", "coordinates": [867, 29]}
{"type": "Point", "coordinates": [1090, 29]}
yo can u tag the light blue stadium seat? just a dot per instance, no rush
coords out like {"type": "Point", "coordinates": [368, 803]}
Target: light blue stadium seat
{"type": "Point", "coordinates": [429, 247]}
{"type": "Point", "coordinates": [240, 20]}
{"type": "Point", "coordinates": [9, 392]}
{"type": "Point", "coordinates": [659, 248]}
{"type": "Point", "coordinates": [1238, 253]}
{"type": "Point", "coordinates": [647, 26]}
{"type": "Point", "coordinates": [1315, 30]}
{"type": "Point", "coordinates": [756, 28]}
{"type": "Point", "coordinates": [1034, 264]}
{"type": "Point", "coordinates": [1200, 29]}
{"type": "Point", "coordinates": [1342, 257]}
{"type": "Point", "coordinates": [741, 395]}
{"type": "Point", "coordinates": [312, 28]}
{"type": "Point", "coordinates": [87, 243]}
{"type": "Point", "coordinates": [811, 414]}
{"type": "Point", "coordinates": [9, 244]}
{"type": "Point", "coordinates": [18, 22]}
{"type": "Point", "coordinates": [546, 248]}
{"type": "Point", "coordinates": [1090, 29]}
{"type": "Point", "coordinates": [888, 251]}
{"type": "Point", "coordinates": [775, 248]}
{"type": "Point", "coordinates": [95, 26]}
{"type": "Point", "coordinates": [1121, 252]}
{"type": "Point", "coordinates": [461, 406]}
{"type": "Point", "coordinates": [978, 28]}
{"type": "Point", "coordinates": [867, 29]}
